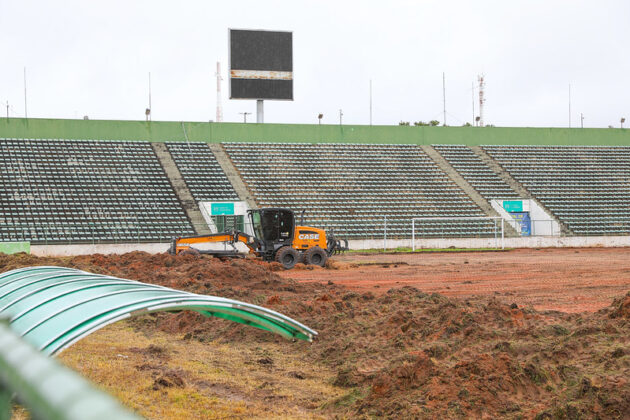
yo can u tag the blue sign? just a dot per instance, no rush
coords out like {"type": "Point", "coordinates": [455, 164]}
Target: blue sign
{"type": "Point", "coordinates": [524, 221]}
{"type": "Point", "coordinates": [513, 206]}
{"type": "Point", "coordinates": [222, 209]}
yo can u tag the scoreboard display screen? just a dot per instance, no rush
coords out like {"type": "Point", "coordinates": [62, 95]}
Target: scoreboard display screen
{"type": "Point", "coordinates": [261, 64]}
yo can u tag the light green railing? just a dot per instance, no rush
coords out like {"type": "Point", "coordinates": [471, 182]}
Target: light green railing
{"type": "Point", "coordinates": [47, 389]}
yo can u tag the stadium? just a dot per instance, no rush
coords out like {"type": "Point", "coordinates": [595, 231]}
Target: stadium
{"type": "Point", "coordinates": [212, 270]}
{"type": "Point", "coordinates": [73, 188]}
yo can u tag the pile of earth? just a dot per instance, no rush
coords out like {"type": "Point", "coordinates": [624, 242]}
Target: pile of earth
{"type": "Point", "coordinates": [406, 353]}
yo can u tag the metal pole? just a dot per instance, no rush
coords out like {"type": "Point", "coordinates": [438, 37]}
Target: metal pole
{"type": "Point", "coordinates": [385, 233]}
{"type": "Point", "coordinates": [444, 95]}
{"type": "Point", "coordinates": [413, 235]}
{"type": "Point", "coordinates": [371, 103]}
{"type": "Point", "coordinates": [219, 114]}
{"type": "Point", "coordinates": [502, 233]}
{"type": "Point", "coordinates": [472, 90]}
{"type": "Point", "coordinates": [150, 107]}
{"type": "Point", "coordinates": [260, 112]}
{"type": "Point", "coordinates": [569, 105]}
{"type": "Point", "coordinates": [25, 108]}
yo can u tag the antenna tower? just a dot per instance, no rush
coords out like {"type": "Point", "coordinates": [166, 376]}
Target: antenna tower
{"type": "Point", "coordinates": [482, 99]}
{"type": "Point", "coordinates": [219, 117]}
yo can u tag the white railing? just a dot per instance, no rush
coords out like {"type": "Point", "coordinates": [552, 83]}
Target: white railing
{"type": "Point", "coordinates": [494, 219]}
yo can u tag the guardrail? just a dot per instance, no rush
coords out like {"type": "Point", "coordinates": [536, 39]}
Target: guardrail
{"type": "Point", "coordinates": [47, 389]}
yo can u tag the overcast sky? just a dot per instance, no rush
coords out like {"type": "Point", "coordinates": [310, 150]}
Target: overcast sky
{"type": "Point", "coordinates": [93, 58]}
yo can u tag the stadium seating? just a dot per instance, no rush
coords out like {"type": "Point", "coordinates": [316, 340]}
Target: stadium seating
{"type": "Point", "coordinates": [352, 188]}
{"type": "Point", "coordinates": [60, 191]}
{"type": "Point", "coordinates": [201, 172]}
{"type": "Point", "coordinates": [470, 166]}
{"type": "Point", "coordinates": [586, 187]}
{"type": "Point", "coordinates": [84, 191]}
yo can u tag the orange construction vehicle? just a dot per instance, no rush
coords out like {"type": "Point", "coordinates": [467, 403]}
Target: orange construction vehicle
{"type": "Point", "coordinates": [276, 238]}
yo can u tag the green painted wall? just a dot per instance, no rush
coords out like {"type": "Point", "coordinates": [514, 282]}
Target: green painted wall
{"type": "Point", "coordinates": [36, 128]}
{"type": "Point", "coordinates": [15, 247]}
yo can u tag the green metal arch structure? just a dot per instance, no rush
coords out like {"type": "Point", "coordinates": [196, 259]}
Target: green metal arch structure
{"type": "Point", "coordinates": [54, 307]}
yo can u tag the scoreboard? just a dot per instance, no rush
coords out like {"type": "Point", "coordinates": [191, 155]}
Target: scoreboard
{"type": "Point", "coordinates": [261, 64]}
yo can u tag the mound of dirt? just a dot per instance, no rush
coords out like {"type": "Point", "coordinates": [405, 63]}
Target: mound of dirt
{"type": "Point", "coordinates": [405, 353]}
{"type": "Point", "coordinates": [621, 307]}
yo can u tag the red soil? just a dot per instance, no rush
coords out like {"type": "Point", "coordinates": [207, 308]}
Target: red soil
{"type": "Point", "coordinates": [402, 351]}
{"type": "Point", "coordinates": [564, 279]}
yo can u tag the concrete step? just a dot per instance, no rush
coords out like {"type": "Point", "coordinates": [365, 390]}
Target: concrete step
{"type": "Point", "coordinates": [515, 185]}
{"type": "Point", "coordinates": [233, 175]}
{"type": "Point", "coordinates": [181, 189]}
{"type": "Point", "coordinates": [455, 176]}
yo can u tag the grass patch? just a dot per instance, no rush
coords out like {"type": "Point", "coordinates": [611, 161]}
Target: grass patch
{"type": "Point", "coordinates": [348, 399]}
{"type": "Point", "coordinates": [191, 379]}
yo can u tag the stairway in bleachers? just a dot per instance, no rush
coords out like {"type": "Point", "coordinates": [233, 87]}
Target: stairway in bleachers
{"type": "Point", "coordinates": [60, 191]}
{"type": "Point", "coordinates": [586, 187]}
{"type": "Point", "coordinates": [351, 188]}
{"type": "Point", "coordinates": [181, 189]}
{"type": "Point", "coordinates": [201, 172]}
{"type": "Point", "coordinates": [476, 172]}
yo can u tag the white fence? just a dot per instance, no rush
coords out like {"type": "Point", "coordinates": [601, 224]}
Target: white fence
{"type": "Point", "coordinates": [460, 219]}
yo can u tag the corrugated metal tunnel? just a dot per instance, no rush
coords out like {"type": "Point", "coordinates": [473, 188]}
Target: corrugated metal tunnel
{"type": "Point", "coordinates": [53, 307]}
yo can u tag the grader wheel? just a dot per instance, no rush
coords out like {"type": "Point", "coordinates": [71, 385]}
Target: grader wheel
{"type": "Point", "coordinates": [287, 256]}
{"type": "Point", "coordinates": [315, 256]}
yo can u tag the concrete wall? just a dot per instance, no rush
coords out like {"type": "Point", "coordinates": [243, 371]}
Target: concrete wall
{"type": "Point", "coordinates": [157, 131]}
{"type": "Point", "coordinates": [87, 249]}
{"type": "Point", "coordinates": [472, 243]}
{"type": "Point", "coordinates": [520, 242]}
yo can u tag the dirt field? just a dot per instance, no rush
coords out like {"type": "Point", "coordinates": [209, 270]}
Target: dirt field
{"type": "Point", "coordinates": [399, 350]}
{"type": "Point", "coordinates": [567, 280]}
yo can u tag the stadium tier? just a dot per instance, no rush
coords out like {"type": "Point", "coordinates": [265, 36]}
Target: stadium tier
{"type": "Point", "coordinates": [86, 191]}
{"type": "Point", "coordinates": [202, 173]}
{"type": "Point", "coordinates": [470, 166]}
{"type": "Point", "coordinates": [586, 187]}
{"type": "Point", "coordinates": [352, 188]}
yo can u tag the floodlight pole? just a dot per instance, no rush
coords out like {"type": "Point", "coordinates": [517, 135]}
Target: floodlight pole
{"type": "Point", "coordinates": [370, 101]}
{"type": "Point", "coordinates": [25, 107]}
{"type": "Point", "coordinates": [244, 114]}
{"type": "Point", "coordinates": [444, 96]}
{"type": "Point", "coordinates": [569, 105]}
{"type": "Point", "coordinates": [260, 111]}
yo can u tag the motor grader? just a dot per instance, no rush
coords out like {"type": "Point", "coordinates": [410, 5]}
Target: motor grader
{"type": "Point", "coordinates": [276, 238]}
